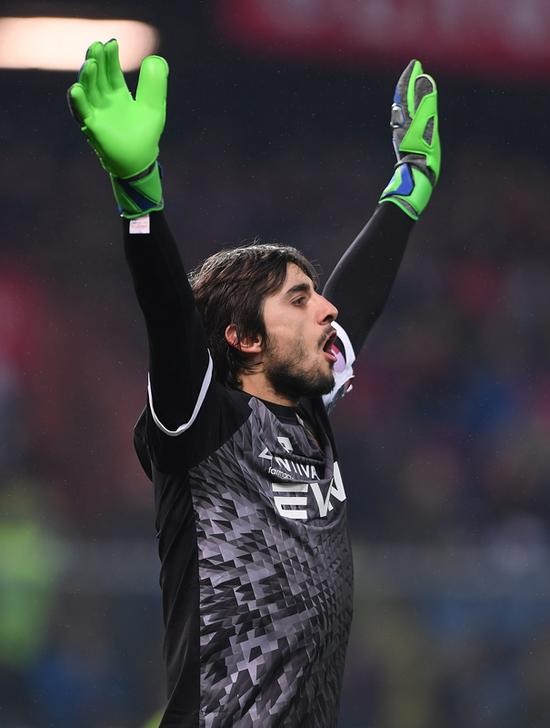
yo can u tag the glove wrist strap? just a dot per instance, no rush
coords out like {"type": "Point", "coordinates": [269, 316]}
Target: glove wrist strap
{"type": "Point", "coordinates": [409, 189]}
{"type": "Point", "coordinates": [139, 194]}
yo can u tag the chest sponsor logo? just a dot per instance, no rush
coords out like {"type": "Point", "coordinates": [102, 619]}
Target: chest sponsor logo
{"type": "Point", "coordinates": [292, 499]}
{"type": "Point", "coordinates": [285, 443]}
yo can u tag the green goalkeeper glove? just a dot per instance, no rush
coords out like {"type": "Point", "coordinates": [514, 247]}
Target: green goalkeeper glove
{"type": "Point", "coordinates": [123, 131]}
{"type": "Point", "coordinates": [414, 122]}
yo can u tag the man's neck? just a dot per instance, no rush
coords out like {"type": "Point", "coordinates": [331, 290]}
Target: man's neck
{"type": "Point", "coordinates": [258, 386]}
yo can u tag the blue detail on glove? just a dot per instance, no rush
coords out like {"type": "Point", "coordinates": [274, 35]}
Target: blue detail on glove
{"type": "Point", "coordinates": [144, 203]}
{"type": "Point", "coordinates": [407, 182]}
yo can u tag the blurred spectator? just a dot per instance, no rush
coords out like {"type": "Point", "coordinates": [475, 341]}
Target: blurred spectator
{"type": "Point", "coordinates": [32, 559]}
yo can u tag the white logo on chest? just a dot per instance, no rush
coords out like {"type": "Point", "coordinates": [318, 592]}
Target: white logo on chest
{"type": "Point", "coordinates": [285, 443]}
{"type": "Point", "coordinates": [292, 499]}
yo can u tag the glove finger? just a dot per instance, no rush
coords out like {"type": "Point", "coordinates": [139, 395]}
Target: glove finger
{"type": "Point", "coordinates": [78, 103]}
{"type": "Point", "coordinates": [97, 52]}
{"type": "Point", "coordinates": [112, 65]}
{"type": "Point", "coordinates": [403, 106]}
{"type": "Point", "coordinates": [88, 80]}
{"type": "Point", "coordinates": [402, 97]}
{"type": "Point", "coordinates": [153, 81]}
{"type": "Point", "coordinates": [422, 136]}
{"type": "Point", "coordinates": [425, 87]}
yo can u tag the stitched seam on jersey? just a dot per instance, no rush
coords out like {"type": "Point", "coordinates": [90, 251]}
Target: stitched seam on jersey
{"type": "Point", "coordinates": [200, 399]}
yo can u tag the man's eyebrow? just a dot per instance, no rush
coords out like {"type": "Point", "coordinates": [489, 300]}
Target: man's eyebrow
{"type": "Point", "coordinates": [299, 288]}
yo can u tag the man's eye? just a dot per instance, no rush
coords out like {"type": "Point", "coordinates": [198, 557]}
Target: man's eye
{"type": "Point", "coordinates": [299, 301]}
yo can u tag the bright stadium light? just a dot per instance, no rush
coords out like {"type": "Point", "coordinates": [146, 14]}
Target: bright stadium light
{"type": "Point", "coordinates": [58, 44]}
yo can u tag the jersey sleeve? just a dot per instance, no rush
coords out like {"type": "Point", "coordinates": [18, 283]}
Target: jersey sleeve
{"type": "Point", "coordinates": [360, 285]}
{"type": "Point", "coordinates": [180, 366]}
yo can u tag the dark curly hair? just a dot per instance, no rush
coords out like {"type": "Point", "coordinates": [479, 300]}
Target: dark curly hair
{"type": "Point", "coordinates": [230, 288]}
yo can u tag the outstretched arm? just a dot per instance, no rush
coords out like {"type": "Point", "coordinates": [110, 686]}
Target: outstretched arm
{"type": "Point", "coordinates": [361, 282]}
{"type": "Point", "coordinates": [125, 132]}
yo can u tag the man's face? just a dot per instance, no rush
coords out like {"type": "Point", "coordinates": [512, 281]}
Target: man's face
{"type": "Point", "coordinates": [297, 356]}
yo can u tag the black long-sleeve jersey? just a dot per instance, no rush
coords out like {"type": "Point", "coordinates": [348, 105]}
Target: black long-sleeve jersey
{"type": "Point", "coordinates": [256, 567]}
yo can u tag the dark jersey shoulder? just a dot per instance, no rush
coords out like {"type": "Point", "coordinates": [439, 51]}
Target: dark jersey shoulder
{"type": "Point", "coordinates": [224, 410]}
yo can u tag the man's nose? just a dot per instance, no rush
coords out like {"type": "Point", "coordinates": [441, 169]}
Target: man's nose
{"type": "Point", "coordinates": [329, 312]}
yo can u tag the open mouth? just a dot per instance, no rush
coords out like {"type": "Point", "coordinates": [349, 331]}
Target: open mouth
{"type": "Point", "coordinates": [329, 347]}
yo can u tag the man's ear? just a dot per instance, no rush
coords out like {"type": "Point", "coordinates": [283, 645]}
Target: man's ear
{"type": "Point", "coordinates": [247, 344]}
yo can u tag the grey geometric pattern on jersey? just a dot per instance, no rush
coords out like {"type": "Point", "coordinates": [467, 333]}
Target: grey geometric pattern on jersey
{"type": "Point", "coordinates": [275, 578]}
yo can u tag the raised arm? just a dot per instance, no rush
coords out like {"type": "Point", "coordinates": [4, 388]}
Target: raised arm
{"type": "Point", "coordinates": [125, 132]}
{"type": "Point", "coordinates": [361, 282]}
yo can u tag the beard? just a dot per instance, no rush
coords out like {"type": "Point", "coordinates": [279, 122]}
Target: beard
{"type": "Point", "coordinates": [290, 379]}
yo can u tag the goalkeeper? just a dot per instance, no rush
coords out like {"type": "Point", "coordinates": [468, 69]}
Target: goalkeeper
{"type": "Point", "coordinates": [246, 359]}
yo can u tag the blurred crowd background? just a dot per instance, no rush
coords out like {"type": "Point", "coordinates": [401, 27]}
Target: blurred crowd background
{"type": "Point", "coordinates": [444, 440]}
